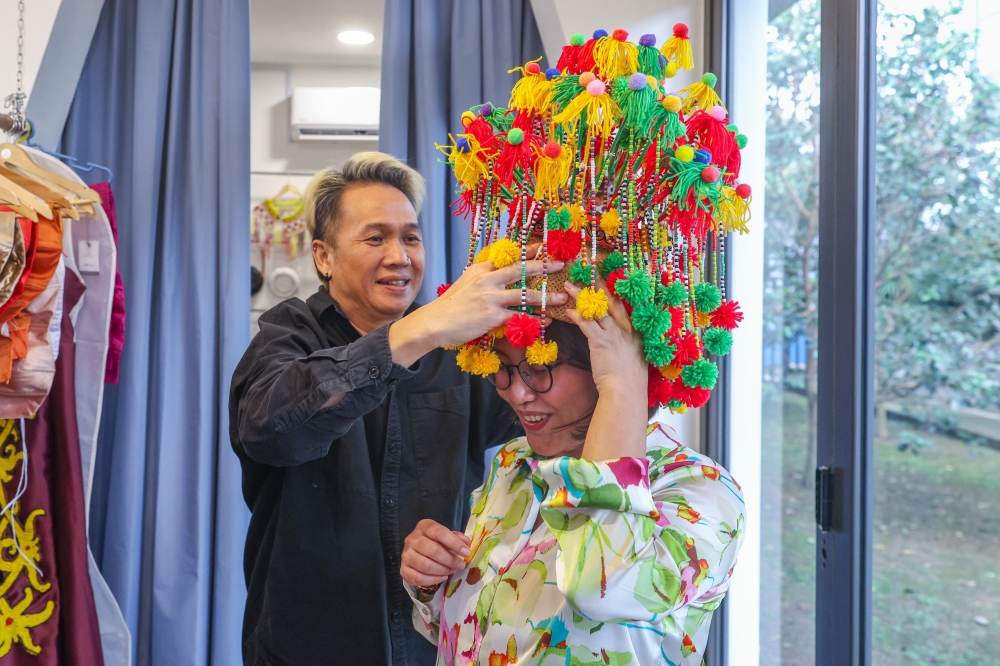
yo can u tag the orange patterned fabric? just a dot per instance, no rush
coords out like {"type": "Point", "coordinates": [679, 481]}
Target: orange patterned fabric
{"type": "Point", "coordinates": [14, 341]}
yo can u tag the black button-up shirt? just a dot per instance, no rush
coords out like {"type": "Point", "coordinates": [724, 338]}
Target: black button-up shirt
{"type": "Point", "coordinates": [322, 551]}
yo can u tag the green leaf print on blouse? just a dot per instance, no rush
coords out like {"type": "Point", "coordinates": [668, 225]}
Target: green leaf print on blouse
{"type": "Point", "coordinates": [519, 590]}
{"type": "Point", "coordinates": [580, 655]}
{"type": "Point", "coordinates": [657, 587]}
{"type": "Point", "coordinates": [516, 512]}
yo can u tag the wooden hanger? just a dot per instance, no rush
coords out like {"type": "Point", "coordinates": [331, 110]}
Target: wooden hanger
{"type": "Point", "coordinates": [41, 190]}
{"type": "Point", "coordinates": [10, 200]}
{"type": "Point", "coordinates": [288, 189]}
{"type": "Point", "coordinates": [14, 156]}
{"type": "Point", "coordinates": [27, 198]}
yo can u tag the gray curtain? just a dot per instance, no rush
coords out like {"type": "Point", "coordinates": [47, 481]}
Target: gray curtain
{"type": "Point", "coordinates": [440, 57]}
{"type": "Point", "coordinates": [164, 101]}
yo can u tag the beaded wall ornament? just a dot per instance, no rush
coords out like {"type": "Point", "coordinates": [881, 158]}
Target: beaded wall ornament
{"type": "Point", "coordinates": [594, 163]}
{"type": "Point", "coordinates": [278, 221]}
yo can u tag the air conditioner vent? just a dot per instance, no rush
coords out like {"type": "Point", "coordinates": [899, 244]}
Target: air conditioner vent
{"type": "Point", "coordinates": [335, 114]}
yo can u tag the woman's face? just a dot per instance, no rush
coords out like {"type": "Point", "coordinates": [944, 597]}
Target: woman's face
{"type": "Point", "coordinates": [545, 415]}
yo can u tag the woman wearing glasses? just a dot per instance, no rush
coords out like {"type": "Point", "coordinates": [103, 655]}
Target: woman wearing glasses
{"type": "Point", "coordinates": [597, 538]}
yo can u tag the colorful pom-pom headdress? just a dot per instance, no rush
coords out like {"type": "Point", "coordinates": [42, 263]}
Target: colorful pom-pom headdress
{"type": "Point", "coordinates": [596, 163]}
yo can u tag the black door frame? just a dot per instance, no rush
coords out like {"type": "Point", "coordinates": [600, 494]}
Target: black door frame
{"type": "Point", "coordinates": [845, 417]}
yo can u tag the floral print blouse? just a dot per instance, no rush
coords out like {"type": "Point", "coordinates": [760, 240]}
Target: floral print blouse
{"type": "Point", "coordinates": [630, 560]}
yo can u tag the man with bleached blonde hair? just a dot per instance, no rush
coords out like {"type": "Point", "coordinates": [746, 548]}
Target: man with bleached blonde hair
{"type": "Point", "coordinates": [352, 424]}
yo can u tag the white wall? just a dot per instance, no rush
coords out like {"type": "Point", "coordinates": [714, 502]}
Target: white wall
{"type": "Point", "coordinates": [39, 17]}
{"type": "Point", "coordinates": [746, 277]}
{"type": "Point", "coordinates": [276, 160]}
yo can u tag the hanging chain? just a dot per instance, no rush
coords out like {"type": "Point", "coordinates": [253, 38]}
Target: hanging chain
{"type": "Point", "coordinates": [14, 102]}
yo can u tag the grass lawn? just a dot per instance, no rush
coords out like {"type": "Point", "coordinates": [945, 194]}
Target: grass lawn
{"type": "Point", "coordinates": [936, 550]}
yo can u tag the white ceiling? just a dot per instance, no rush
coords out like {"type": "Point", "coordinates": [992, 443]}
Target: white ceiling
{"type": "Point", "coordinates": [304, 32]}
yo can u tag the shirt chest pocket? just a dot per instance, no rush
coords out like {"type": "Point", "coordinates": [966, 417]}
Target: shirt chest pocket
{"type": "Point", "coordinates": [439, 429]}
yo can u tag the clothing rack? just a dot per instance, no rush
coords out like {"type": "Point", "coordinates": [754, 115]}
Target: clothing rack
{"type": "Point", "coordinates": [11, 125]}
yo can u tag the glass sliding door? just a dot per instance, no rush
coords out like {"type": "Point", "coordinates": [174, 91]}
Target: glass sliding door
{"type": "Point", "coordinates": [936, 551]}
{"type": "Point", "coordinates": [789, 372]}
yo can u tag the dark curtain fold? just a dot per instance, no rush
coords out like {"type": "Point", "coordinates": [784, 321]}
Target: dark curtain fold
{"type": "Point", "coordinates": [164, 102]}
{"type": "Point", "coordinates": [440, 57]}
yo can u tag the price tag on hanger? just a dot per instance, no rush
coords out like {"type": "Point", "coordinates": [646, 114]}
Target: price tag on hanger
{"type": "Point", "coordinates": [87, 257]}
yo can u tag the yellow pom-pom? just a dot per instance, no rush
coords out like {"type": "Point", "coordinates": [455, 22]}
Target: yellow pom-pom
{"type": "Point", "coordinates": [485, 362]}
{"type": "Point", "coordinates": [611, 223]}
{"type": "Point", "coordinates": [498, 332]}
{"type": "Point", "coordinates": [578, 218]}
{"type": "Point", "coordinates": [684, 153]}
{"type": "Point", "coordinates": [504, 252]}
{"type": "Point", "coordinates": [592, 303]}
{"type": "Point", "coordinates": [670, 372]}
{"type": "Point", "coordinates": [467, 117]}
{"type": "Point", "coordinates": [672, 103]}
{"type": "Point", "coordinates": [464, 358]}
{"type": "Point", "coordinates": [541, 353]}
{"type": "Point", "coordinates": [704, 320]}
{"type": "Point", "coordinates": [483, 255]}
{"type": "Point", "coordinates": [671, 70]}
{"type": "Point", "coordinates": [680, 409]}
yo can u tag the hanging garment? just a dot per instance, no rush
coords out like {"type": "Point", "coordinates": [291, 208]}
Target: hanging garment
{"type": "Point", "coordinates": [11, 255]}
{"type": "Point", "coordinates": [29, 232]}
{"type": "Point", "coordinates": [91, 328]}
{"type": "Point", "coordinates": [116, 337]}
{"type": "Point", "coordinates": [280, 222]}
{"type": "Point", "coordinates": [15, 320]}
{"type": "Point", "coordinates": [60, 620]}
{"type": "Point", "coordinates": [31, 377]}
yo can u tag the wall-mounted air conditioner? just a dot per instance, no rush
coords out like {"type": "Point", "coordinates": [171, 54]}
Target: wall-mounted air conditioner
{"type": "Point", "coordinates": [335, 114]}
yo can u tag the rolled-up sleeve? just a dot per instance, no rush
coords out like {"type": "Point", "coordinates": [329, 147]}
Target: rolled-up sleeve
{"type": "Point", "coordinates": [284, 381]}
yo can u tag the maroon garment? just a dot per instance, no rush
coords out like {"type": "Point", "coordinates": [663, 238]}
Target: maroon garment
{"type": "Point", "coordinates": [71, 635]}
{"type": "Point", "coordinates": [117, 337]}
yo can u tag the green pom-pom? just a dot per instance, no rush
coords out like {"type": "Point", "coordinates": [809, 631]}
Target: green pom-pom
{"type": "Point", "coordinates": [741, 141]}
{"type": "Point", "coordinates": [676, 404]}
{"type": "Point", "coordinates": [515, 136]}
{"type": "Point", "coordinates": [559, 219]}
{"type": "Point", "coordinates": [707, 297]}
{"type": "Point", "coordinates": [709, 79]}
{"type": "Point", "coordinates": [650, 320]}
{"type": "Point", "coordinates": [732, 128]}
{"type": "Point", "coordinates": [577, 39]}
{"type": "Point", "coordinates": [701, 374]}
{"type": "Point", "coordinates": [658, 351]}
{"type": "Point", "coordinates": [579, 274]}
{"type": "Point", "coordinates": [718, 341]}
{"type": "Point", "coordinates": [636, 287]}
{"type": "Point", "coordinates": [672, 295]}
{"type": "Point", "coordinates": [612, 262]}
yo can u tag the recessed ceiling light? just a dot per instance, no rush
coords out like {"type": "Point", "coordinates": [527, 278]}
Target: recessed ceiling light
{"type": "Point", "coordinates": [356, 37]}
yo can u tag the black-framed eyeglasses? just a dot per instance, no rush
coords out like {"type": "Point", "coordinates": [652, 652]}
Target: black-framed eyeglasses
{"type": "Point", "coordinates": [536, 377]}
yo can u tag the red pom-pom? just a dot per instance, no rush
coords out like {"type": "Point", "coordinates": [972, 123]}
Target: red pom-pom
{"type": "Point", "coordinates": [688, 348]}
{"type": "Point", "coordinates": [710, 174]}
{"type": "Point", "coordinates": [620, 34]}
{"type": "Point", "coordinates": [613, 277]}
{"type": "Point", "coordinates": [676, 321]}
{"type": "Point", "coordinates": [681, 30]}
{"type": "Point", "coordinates": [692, 397]}
{"type": "Point", "coordinates": [727, 315]}
{"type": "Point", "coordinates": [659, 391]}
{"type": "Point", "coordinates": [564, 245]}
{"type": "Point", "coordinates": [552, 150]}
{"type": "Point", "coordinates": [443, 288]}
{"type": "Point", "coordinates": [743, 191]}
{"type": "Point", "coordinates": [532, 68]}
{"type": "Point", "coordinates": [522, 330]}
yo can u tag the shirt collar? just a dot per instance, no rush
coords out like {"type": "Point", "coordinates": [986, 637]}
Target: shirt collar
{"type": "Point", "coordinates": [328, 313]}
